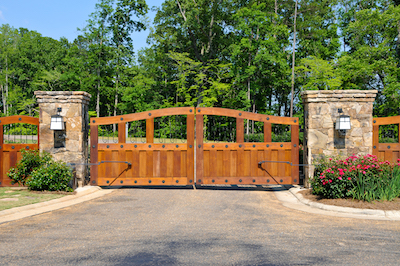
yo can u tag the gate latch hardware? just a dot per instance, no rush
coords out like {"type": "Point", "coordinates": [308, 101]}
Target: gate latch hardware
{"type": "Point", "coordinates": [287, 162]}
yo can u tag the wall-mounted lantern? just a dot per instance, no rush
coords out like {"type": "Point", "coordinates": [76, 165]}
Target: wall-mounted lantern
{"type": "Point", "coordinates": [57, 121]}
{"type": "Point", "coordinates": [342, 123]}
{"type": "Point", "coordinates": [57, 124]}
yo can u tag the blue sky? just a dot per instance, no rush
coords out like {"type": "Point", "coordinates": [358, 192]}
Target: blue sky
{"type": "Point", "coordinates": [59, 18]}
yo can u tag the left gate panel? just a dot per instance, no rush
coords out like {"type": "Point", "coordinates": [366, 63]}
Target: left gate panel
{"type": "Point", "coordinates": [16, 133]}
{"type": "Point", "coordinates": [147, 160]}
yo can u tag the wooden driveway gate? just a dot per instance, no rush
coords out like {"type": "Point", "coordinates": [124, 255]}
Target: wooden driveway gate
{"type": "Point", "coordinates": [142, 164]}
{"type": "Point", "coordinates": [173, 164]}
{"type": "Point", "coordinates": [11, 144]}
{"type": "Point", "coordinates": [241, 163]}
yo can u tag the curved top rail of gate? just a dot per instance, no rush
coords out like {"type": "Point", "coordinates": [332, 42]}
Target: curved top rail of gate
{"type": "Point", "coordinates": [19, 119]}
{"type": "Point", "coordinates": [142, 115]}
{"type": "Point", "coordinates": [247, 115]}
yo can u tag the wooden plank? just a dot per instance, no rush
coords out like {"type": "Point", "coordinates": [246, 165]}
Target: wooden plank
{"type": "Point", "coordinates": [154, 181]}
{"type": "Point", "coordinates": [121, 132]}
{"type": "Point", "coordinates": [386, 120]}
{"type": "Point", "coordinates": [267, 132]}
{"type": "Point", "coordinates": [184, 166]}
{"type": "Point", "coordinates": [240, 162]}
{"type": "Point", "coordinates": [18, 147]}
{"type": "Point", "coordinates": [142, 115]}
{"type": "Point", "coordinates": [199, 148]}
{"type": "Point", "coordinates": [93, 154]}
{"type": "Point", "coordinates": [388, 146]}
{"type": "Point", "coordinates": [13, 158]}
{"type": "Point", "coordinates": [142, 163]}
{"type": "Point", "coordinates": [143, 146]}
{"type": "Point", "coordinates": [129, 158]}
{"type": "Point", "coordinates": [170, 164]}
{"type": "Point", "coordinates": [122, 166]}
{"type": "Point", "coordinates": [149, 163]}
{"type": "Point", "coordinates": [254, 163]}
{"type": "Point", "coordinates": [239, 130]}
{"type": "Point", "coordinates": [233, 165]}
{"type": "Point", "coordinates": [15, 119]}
{"type": "Point", "coordinates": [247, 163]}
{"type": "Point", "coordinates": [247, 115]}
{"type": "Point", "coordinates": [375, 139]}
{"type": "Point", "coordinates": [248, 146]}
{"type": "Point", "coordinates": [288, 168]}
{"type": "Point", "coordinates": [281, 166]}
{"type": "Point", "coordinates": [6, 166]}
{"type": "Point", "coordinates": [177, 163]}
{"type": "Point", "coordinates": [110, 167]}
{"type": "Point", "coordinates": [389, 156]}
{"type": "Point", "coordinates": [247, 180]}
{"type": "Point", "coordinates": [260, 157]}
{"type": "Point", "coordinates": [190, 148]}
{"type": "Point", "coordinates": [220, 163]}
{"type": "Point", "coordinates": [135, 164]}
{"type": "Point", "coordinates": [295, 153]}
{"type": "Point", "coordinates": [226, 163]}
{"type": "Point", "coordinates": [156, 164]}
{"type": "Point", "coordinates": [206, 156]}
{"type": "Point", "coordinates": [163, 163]}
{"type": "Point", "coordinates": [274, 166]}
{"type": "Point", "coordinates": [213, 163]}
{"type": "Point", "coordinates": [150, 130]}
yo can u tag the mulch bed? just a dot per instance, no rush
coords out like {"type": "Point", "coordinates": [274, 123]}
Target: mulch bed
{"type": "Point", "coordinates": [376, 205]}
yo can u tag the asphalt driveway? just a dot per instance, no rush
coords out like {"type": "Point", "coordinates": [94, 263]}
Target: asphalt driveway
{"type": "Point", "coordinates": [195, 227]}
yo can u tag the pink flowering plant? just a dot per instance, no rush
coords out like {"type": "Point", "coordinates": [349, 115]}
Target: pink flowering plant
{"type": "Point", "coordinates": [358, 177]}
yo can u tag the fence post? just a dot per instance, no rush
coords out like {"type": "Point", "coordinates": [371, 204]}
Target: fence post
{"type": "Point", "coordinates": [321, 109]}
{"type": "Point", "coordinates": [74, 110]}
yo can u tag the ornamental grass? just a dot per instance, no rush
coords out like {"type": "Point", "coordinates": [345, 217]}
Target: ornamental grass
{"type": "Point", "coordinates": [358, 177]}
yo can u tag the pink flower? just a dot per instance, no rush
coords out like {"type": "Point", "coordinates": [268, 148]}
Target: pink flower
{"type": "Point", "coordinates": [364, 172]}
{"type": "Point", "coordinates": [330, 180]}
{"type": "Point", "coordinates": [340, 178]}
{"type": "Point", "coordinates": [349, 178]}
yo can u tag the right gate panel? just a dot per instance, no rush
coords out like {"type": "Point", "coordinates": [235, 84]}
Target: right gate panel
{"type": "Point", "coordinates": [240, 162]}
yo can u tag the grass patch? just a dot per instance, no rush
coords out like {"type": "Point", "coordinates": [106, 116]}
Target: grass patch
{"type": "Point", "coordinates": [11, 197]}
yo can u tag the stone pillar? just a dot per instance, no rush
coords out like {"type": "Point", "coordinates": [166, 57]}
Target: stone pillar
{"type": "Point", "coordinates": [320, 114]}
{"type": "Point", "coordinates": [74, 106]}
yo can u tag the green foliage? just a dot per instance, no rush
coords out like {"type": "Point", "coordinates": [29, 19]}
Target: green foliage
{"type": "Point", "coordinates": [317, 74]}
{"type": "Point", "coordinates": [39, 171]}
{"type": "Point", "coordinates": [228, 53]}
{"type": "Point", "coordinates": [31, 160]}
{"type": "Point", "coordinates": [360, 177]}
{"type": "Point", "coordinates": [54, 176]}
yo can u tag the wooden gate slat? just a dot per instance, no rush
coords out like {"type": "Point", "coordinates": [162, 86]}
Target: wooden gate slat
{"type": "Point", "coordinates": [163, 163]}
{"type": "Point", "coordinates": [170, 163]}
{"type": "Point", "coordinates": [156, 164]}
{"type": "Point", "coordinates": [177, 164]}
{"type": "Point", "coordinates": [149, 163]}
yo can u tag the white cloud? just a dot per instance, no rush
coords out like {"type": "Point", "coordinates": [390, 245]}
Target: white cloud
{"type": "Point", "coordinates": [1, 16]}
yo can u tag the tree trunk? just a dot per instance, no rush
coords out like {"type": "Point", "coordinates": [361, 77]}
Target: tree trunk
{"type": "Point", "coordinates": [293, 58]}
{"type": "Point", "coordinates": [276, 14]}
{"type": "Point", "coordinates": [6, 87]}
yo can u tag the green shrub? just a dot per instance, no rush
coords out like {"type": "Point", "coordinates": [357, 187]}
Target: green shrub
{"type": "Point", "coordinates": [31, 159]}
{"type": "Point", "coordinates": [53, 177]}
{"type": "Point", "coordinates": [360, 177]}
{"type": "Point", "coordinates": [38, 171]}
